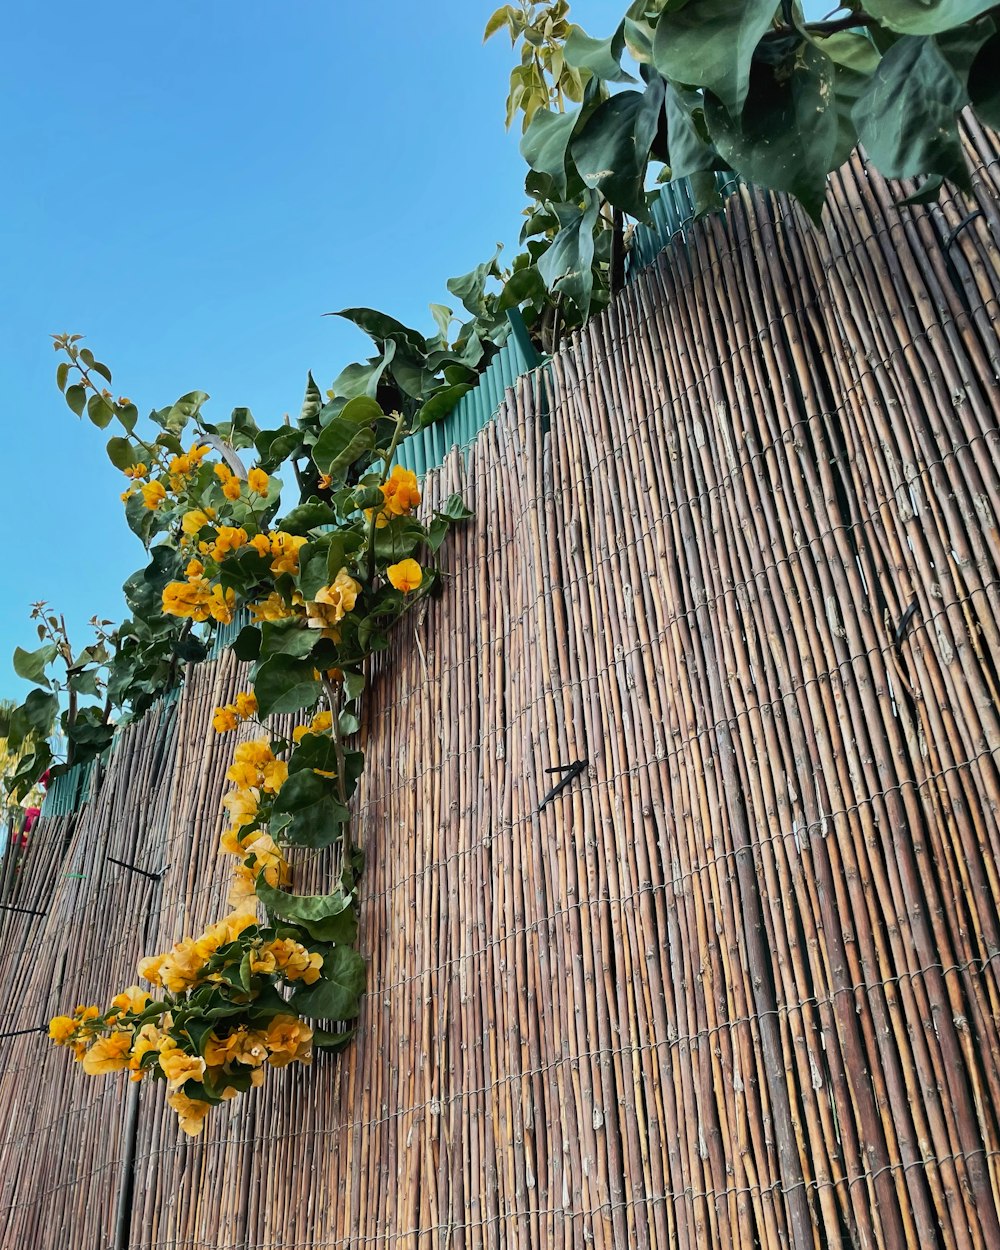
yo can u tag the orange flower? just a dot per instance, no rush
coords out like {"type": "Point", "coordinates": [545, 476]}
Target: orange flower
{"type": "Point", "coordinates": [406, 575]}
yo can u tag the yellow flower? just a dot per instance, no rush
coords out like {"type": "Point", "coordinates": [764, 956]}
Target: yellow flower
{"type": "Point", "coordinates": [148, 1038]}
{"type": "Point", "coordinates": [246, 705]}
{"type": "Point", "coordinates": [225, 718]}
{"type": "Point", "coordinates": [236, 922]}
{"type": "Point", "coordinates": [243, 775]}
{"type": "Point", "coordinates": [320, 724]}
{"type": "Point", "coordinates": [242, 807]}
{"type": "Point", "coordinates": [153, 494]}
{"type": "Point", "coordinates": [187, 599]}
{"type": "Point", "coordinates": [194, 570]}
{"type": "Point", "coordinates": [405, 576]}
{"type": "Point", "coordinates": [288, 1039]}
{"type": "Point", "coordinates": [266, 856]}
{"type": "Point", "coordinates": [61, 1029]}
{"type": "Point", "coordinates": [190, 1111]}
{"type": "Point", "coordinates": [297, 963]}
{"type": "Point", "coordinates": [135, 471]}
{"type": "Point", "coordinates": [231, 489]}
{"type": "Point", "coordinates": [126, 495]}
{"type": "Point", "coordinates": [229, 539]}
{"type": "Point", "coordinates": [325, 481]}
{"type": "Point", "coordinates": [257, 752]}
{"type": "Point", "coordinates": [274, 776]}
{"type": "Point", "coordinates": [244, 885]}
{"type": "Point", "coordinates": [285, 550]}
{"type": "Point", "coordinates": [179, 1067]}
{"type": "Point", "coordinates": [262, 962]}
{"type": "Point", "coordinates": [149, 968]}
{"type": "Point", "coordinates": [222, 604]}
{"type": "Point", "coordinates": [257, 480]}
{"type": "Point", "coordinates": [181, 966]}
{"type": "Point", "coordinates": [400, 493]}
{"type": "Point", "coordinates": [230, 844]}
{"type": "Point", "coordinates": [108, 1054]}
{"type": "Point", "coordinates": [333, 602]}
{"type": "Point", "coordinates": [197, 519]}
{"type": "Point", "coordinates": [273, 608]}
{"type": "Point", "coordinates": [133, 1000]}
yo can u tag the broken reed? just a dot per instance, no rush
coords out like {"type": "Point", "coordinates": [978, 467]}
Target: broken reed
{"type": "Point", "coordinates": [737, 985]}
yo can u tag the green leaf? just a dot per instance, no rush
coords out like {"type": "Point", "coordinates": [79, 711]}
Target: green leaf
{"type": "Point", "coordinates": [31, 665]}
{"type": "Point", "coordinates": [325, 917]}
{"type": "Point", "coordinates": [786, 137]}
{"type": "Point", "coordinates": [247, 644]}
{"type": "Point", "coordinates": [364, 379]}
{"type": "Point", "coordinates": [288, 637]}
{"type": "Point", "coordinates": [437, 532]}
{"type": "Point", "coordinates": [336, 996]}
{"type": "Point", "coordinates": [984, 83]}
{"type": "Point", "coordinates": [710, 43]}
{"type": "Point", "coordinates": [455, 509]}
{"type": "Point", "coordinates": [85, 682]}
{"type": "Point", "coordinates": [354, 683]}
{"type": "Point", "coordinates": [181, 413]}
{"type": "Point", "coordinates": [380, 327]}
{"type": "Point", "coordinates": [76, 397]}
{"type": "Point", "coordinates": [443, 317]}
{"type": "Point", "coordinates": [128, 415]}
{"type": "Point", "coordinates": [275, 446]}
{"type": "Point", "coordinates": [399, 539]}
{"type": "Point", "coordinates": [690, 149]}
{"type": "Point", "coordinates": [348, 436]}
{"type": "Point", "coordinates": [122, 454]}
{"type": "Point", "coordinates": [907, 119]}
{"type": "Point", "coordinates": [925, 17]}
{"type": "Point", "coordinates": [611, 149]}
{"type": "Point", "coordinates": [312, 402]}
{"type": "Point", "coordinates": [34, 718]}
{"type": "Point", "coordinates": [567, 265]}
{"type": "Point", "coordinates": [601, 57]}
{"type": "Point", "coordinates": [332, 1042]}
{"type": "Point", "coordinates": [545, 146]}
{"type": "Point", "coordinates": [316, 817]}
{"type": "Point", "coordinates": [29, 770]}
{"type": "Point", "coordinates": [285, 684]}
{"type": "Point", "coordinates": [855, 58]}
{"type": "Point", "coordinates": [470, 288]}
{"type": "Point", "coordinates": [440, 404]}
{"type": "Point", "coordinates": [306, 517]}
{"type": "Point", "coordinates": [100, 411]}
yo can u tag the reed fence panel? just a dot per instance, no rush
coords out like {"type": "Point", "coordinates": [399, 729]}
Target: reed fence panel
{"type": "Point", "coordinates": [737, 985]}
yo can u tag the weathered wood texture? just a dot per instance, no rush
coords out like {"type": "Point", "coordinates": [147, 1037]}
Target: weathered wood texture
{"type": "Point", "coordinates": [738, 986]}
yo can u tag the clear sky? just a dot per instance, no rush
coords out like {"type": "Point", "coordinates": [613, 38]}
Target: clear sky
{"type": "Point", "coordinates": [192, 186]}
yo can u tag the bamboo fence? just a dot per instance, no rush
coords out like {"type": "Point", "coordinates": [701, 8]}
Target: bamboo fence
{"type": "Point", "coordinates": [737, 985]}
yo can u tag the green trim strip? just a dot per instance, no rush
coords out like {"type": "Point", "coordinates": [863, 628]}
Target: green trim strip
{"type": "Point", "coordinates": [673, 212]}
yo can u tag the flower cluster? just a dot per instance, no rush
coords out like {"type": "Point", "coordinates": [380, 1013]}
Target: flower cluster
{"type": "Point", "coordinates": [230, 715]}
{"type": "Point", "coordinates": [166, 1040]}
{"type": "Point", "coordinates": [400, 494]}
{"type": "Point", "coordinates": [323, 587]}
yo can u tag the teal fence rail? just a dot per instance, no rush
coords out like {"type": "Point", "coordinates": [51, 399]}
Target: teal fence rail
{"type": "Point", "coordinates": [427, 449]}
{"type": "Point", "coordinates": [673, 212]}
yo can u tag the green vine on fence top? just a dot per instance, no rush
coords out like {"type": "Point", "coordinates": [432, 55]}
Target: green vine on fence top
{"type": "Point", "coordinates": [679, 89]}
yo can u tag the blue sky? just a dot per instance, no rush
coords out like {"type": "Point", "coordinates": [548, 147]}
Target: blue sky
{"type": "Point", "coordinates": [191, 187]}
